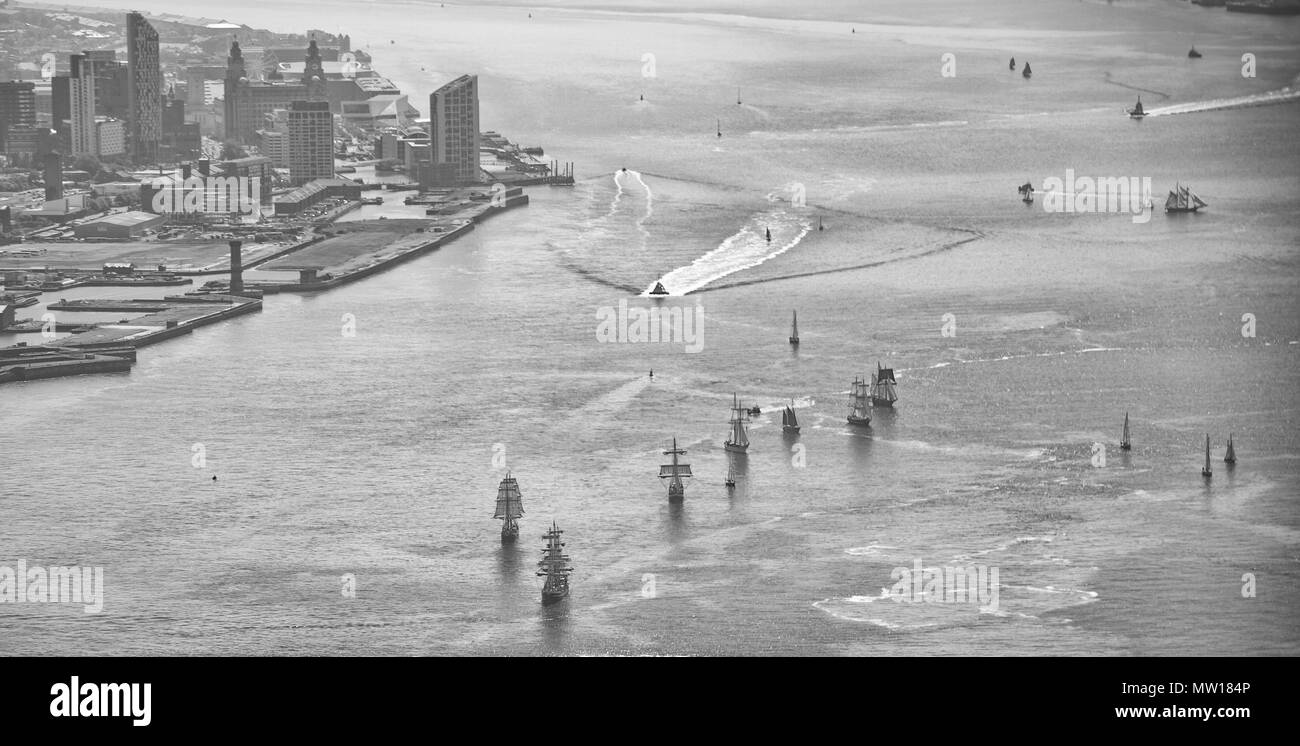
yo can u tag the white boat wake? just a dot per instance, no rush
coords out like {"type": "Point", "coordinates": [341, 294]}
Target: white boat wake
{"type": "Point", "coordinates": [1255, 99]}
{"type": "Point", "coordinates": [746, 248]}
{"type": "Point", "coordinates": [649, 202]}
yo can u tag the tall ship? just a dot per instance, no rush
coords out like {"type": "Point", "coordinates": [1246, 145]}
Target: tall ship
{"type": "Point", "coordinates": [510, 507]}
{"type": "Point", "coordinates": [859, 403]}
{"type": "Point", "coordinates": [1206, 471]}
{"type": "Point", "coordinates": [794, 329]}
{"type": "Point", "coordinates": [1124, 443]}
{"type": "Point", "coordinates": [675, 473]}
{"type": "Point", "coordinates": [738, 441]}
{"type": "Point", "coordinates": [1183, 199]}
{"type": "Point", "coordinates": [882, 387]}
{"type": "Point", "coordinates": [554, 566]}
{"type": "Point", "coordinates": [789, 423]}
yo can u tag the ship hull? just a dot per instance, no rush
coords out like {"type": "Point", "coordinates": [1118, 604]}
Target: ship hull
{"type": "Point", "coordinates": [551, 597]}
{"type": "Point", "coordinates": [733, 448]}
{"type": "Point", "coordinates": [860, 421]}
{"type": "Point", "coordinates": [881, 402]}
{"type": "Point", "coordinates": [790, 430]}
{"type": "Point", "coordinates": [1181, 209]}
{"type": "Point", "coordinates": [509, 536]}
{"type": "Point", "coordinates": [1271, 10]}
{"type": "Point", "coordinates": [1125, 447]}
{"type": "Point", "coordinates": [676, 494]}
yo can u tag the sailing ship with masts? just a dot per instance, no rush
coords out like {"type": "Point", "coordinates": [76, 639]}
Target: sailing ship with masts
{"type": "Point", "coordinates": [789, 423]}
{"type": "Point", "coordinates": [882, 387]}
{"type": "Point", "coordinates": [794, 329]}
{"type": "Point", "coordinates": [510, 507]}
{"type": "Point", "coordinates": [1183, 199]}
{"type": "Point", "coordinates": [1124, 443]}
{"type": "Point", "coordinates": [738, 440]}
{"type": "Point", "coordinates": [859, 403]}
{"type": "Point", "coordinates": [1026, 192]}
{"type": "Point", "coordinates": [675, 473]}
{"type": "Point", "coordinates": [1206, 471]}
{"type": "Point", "coordinates": [731, 476]}
{"type": "Point", "coordinates": [1230, 457]}
{"type": "Point", "coordinates": [554, 566]}
{"type": "Point", "coordinates": [1027, 72]}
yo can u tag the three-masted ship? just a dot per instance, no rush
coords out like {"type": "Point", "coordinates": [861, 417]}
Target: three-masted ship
{"type": "Point", "coordinates": [882, 387]}
{"type": "Point", "coordinates": [1183, 199]}
{"type": "Point", "coordinates": [1124, 443]}
{"type": "Point", "coordinates": [859, 403]}
{"type": "Point", "coordinates": [738, 440]}
{"type": "Point", "coordinates": [789, 423]}
{"type": "Point", "coordinates": [675, 473]}
{"type": "Point", "coordinates": [510, 507]}
{"type": "Point", "coordinates": [554, 566]}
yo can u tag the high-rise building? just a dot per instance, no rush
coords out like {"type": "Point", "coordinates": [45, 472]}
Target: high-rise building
{"type": "Point", "coordinates": [17, 108]}
{"type": "Point", "coordinates": [144, 88]}
{"type": "Point", "coordinates": [311, 141]}
{"type": "Point", "coordinates": [81, 102]}
{"type": "Point", "coordinates": [454, 127]}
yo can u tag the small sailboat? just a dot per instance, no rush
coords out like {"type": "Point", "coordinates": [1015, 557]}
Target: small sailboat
{"type": "Point", "coordinates": [794, 329]}
{"type": "Point", "coordinates": [789, 423]}
{"type": "Point", "coordinates": [675, 473]}
{"type": "Point", "coordinates": [1231, 456]}
{"type": "Point", "coordinates": [737, 97]}
{"type": "Point", "coordinates": [769, 235]}
{"type": "Point", "coordinates": [754, 411]}
{"type": "Point", "coordinates": [1124, 443]}
{"type": "Point", "coordinates": [819, 222]}
{"type": "Point", "coordinates": [510, 507]}
{"type": "Point", "coordinates": [1193, 54]}
{"type": "Point", "coordinates": [1137, 112]}
{"type": "Point", "coordinates": [1183, 199]}
{"type": "Point", "coordinates": [554, 566]}
{"type": "Point", "coordinates": [1013, 63]}
{"type": "Point", "coordinates": [659, 289]}
{"type": "Point", "coordinates": [1026, 192]}
{"type": "Point", "coordinates": [738, 441]}
{"type": "Point", "coordinates": [719, 128]}
{"type": "Point", "coordinates": [1206, 471]}
{"type": "Point", "coordinates": [1027, 72]}
{"type": "Point", "coordinates": [882, 387]}
{"type": "Point", "coordinates": [643, 97]}
{"type": "Point", "coordinates": [731, 476]}
{"type": "Point", "coordinates": [859, 410]}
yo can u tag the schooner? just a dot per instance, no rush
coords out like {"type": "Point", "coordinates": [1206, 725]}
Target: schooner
{"type": "Point", "coordinates": [510, 506]}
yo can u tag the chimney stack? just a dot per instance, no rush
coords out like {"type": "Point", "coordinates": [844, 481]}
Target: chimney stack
{"type": "Point", "coordinates": [236, 269]}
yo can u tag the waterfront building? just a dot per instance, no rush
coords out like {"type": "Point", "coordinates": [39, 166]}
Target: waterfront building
{"type": "Point", "coordinates": [144, 89]}
{"type": "Point", "coordinates": [454, 127]}
{"type": "Point", "coordinates": [312, 192]}
{"type": "Point", "coordinates": [311, 141]}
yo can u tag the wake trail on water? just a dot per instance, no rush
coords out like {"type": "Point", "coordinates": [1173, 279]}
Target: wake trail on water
{"type": "Point", "coordinates": [1282, 95]}
{"type": "Point", "coordinates": [746, 248]}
